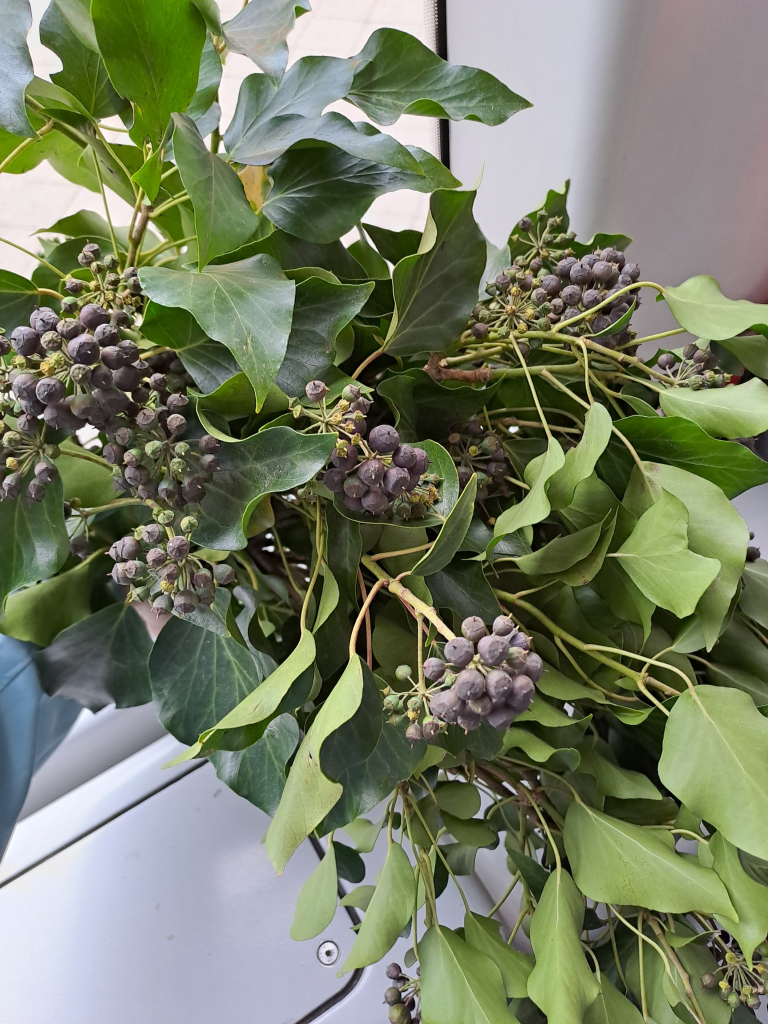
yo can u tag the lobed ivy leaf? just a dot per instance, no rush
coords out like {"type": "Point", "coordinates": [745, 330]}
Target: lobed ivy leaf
{"type": "Point", "coordinates": [320, 193]}
{"type": "Point", "coordinates": [561, 983]}
{"type": "Point", "coordinates": [36, 544]}
{"type": "Point", "coordinates": [17, 67]}
{"type": "Point", "coordinates": [614, 861]}
{"type": "Point", "coordinates": [459, 983]}
{"type": "Point", "coordinates": [83, 72]}
{"type": "Point", "coordinates": [713, 760]}
{"type": "Point", "coordinates": [422, 407]}
{"type": "Point", "coordinates": [394, 245]}
{"type": "Point", "coordinates": [733, 411]}
{"type": "Point", "coordinates": [657, 558]}
{"type": "Point", "coordinates": [700, 307]}
{"type": "Point", "coordinates": [274, 460]}
{"type": "Point", "coordinates": [397, 74]}
{"type": "Point", "coordinates": [316, 904]}
{"type": "Point", "coordinates": [321, 311]}
{"type": "Point", "coordinates": [152, 53]}
{"type": "Point", "coordinates": [389, 911]}
{"type": "Point", "coordinates": [436, 289]}
{"type": "Point", "coordinates": [198, 676]}
{"type": "Point", "coordinates": [680, 442]}
{"type": "Point", "coordinates": [309, 795]}
{"type": "Point", "coordinates": [224, 219]}
{"type": "Point", "coordinates": [247, 306]}
{"type": "Point", "coordinates": [102, 660]}
{"type": "Point", "coordinates": [259, 31]}
{"type": "Point", "coordinates": [78, 16]}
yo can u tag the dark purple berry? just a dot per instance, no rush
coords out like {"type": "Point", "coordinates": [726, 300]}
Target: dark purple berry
{"type": "Point", "coordinates": [106, 334]}
{"type": "Point", "coordinates": [492, 649]}
{"type": "Point", "coordinates": [334, 480]}
{"type": "Point", "coordinates": [346, 462]}
{"type": "Point", "coordinates": [396, 480]}
{"type": "Point", "coordinates": [434, 669]}
{"type": "Point", "coordinates": [208, 444]}
{"type": "Point", "coordinates": [459, 652]}
{"type": "Point", "coordinates": [447, 705]}
{"type": "Point", "coordinates": [354, 487]}
{"type": "Point", "coordinates": [375, 501]}
{"type": "Point", "coordinates": [404, 456]}
{"type": "Point", "coordinates": [470, 684]}
{"type": "Point", "coordinates": [473, 628]}
{"type": "Point", "coordinates": [371, 472]}
{"type": "Point", "coordinates": [83, 349]}
{"type": "Point", "coordinates": [43, 319]}
{"type": "Point", "coordinates": [93, 316]}
{"type": "Point", "coordinates": [383, 438]}
{"type": "Point", "coordinates": [25, 341]}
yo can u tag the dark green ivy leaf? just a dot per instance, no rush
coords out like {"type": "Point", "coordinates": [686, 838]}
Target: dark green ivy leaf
{"type": "Point", "coordinates": [152, 52]}
{"type": "Point", "coordinates": [273, 460]}
{"type": "Point", "coordinates": [424, 408]}
{"type": "Point", "coordinates": [102, 660]}
{"type": "Point", "coordinates": [18, 297]}
{"type": "Point", "coordinates": [246, 305]}
{"type": "Point", "coordinates": [35, 541]}
{"type": "Point", "coordinates": [394, 245]}
{"type": "Point", "coordinates": [258, 772]}
{"type": "Point", "coordinates": [259, 31]}
{"type": "Point", "coordinates": [436, 289]}
{"type": "Point", "coordinates": [320, 193]}
{"type": "Point", "coordinates": [17, 67]}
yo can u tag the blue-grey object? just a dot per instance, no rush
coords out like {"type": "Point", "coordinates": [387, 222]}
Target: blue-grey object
{"type": "Point", "coordinates": [32, 725]}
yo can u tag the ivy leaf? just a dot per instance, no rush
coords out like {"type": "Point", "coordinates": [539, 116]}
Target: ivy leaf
{"type": "Point", "coordinates": [451, 535]}
{"type": "Point", "coordinates": [78, 15]}
{"type": "Point", "coordinates": [561, 984]}
{"type": "Point", "coordinates": [355, 739]}
{"type": "Point", "coordinates": [397, 74]}
{"type": "Point", "coordinates": [247, 306]}
{"type": "Point", "coordinates": [36, 544]}
{"type": "Point", "coordinates": [197, 677]}
{"type": "Point", "coordinates": [680, 442]}
{"type": "Point", "coordinates": [611, 1006]}
{"type": "Point", "coordinates": [152, 53]}
{"type": "Point", "coordinates": [394, 245]}
{"type": "Point", "coordinates": [39, 612]}
{"type": "Point", "coordinates": [224, 219]}
{"type": "Point", "coordinates": [208, 82]}
{"type": "Point", "coordinates": [436, 289]}
{"type": "Point", "coordinates": [317, 900]}
{"type": "Point", "coordinates": [754, 596]}
{"type": "Point", "coordinates": [17, 67]}
{"type": "Point", "coordinates": [18, 298]}
{"type": "Point", "coordinates": [210, 12]}
{"type": "Point", "coordinates": [388, 912]}
{"type": "Point", "coordinates": [537, 749]}
{"type": "Point", "coordinates": [535, 505]}
{"type": "Point", "coordinates": [751, 351]}
{"type": "Point", "coordinates": [258, 772]}
{"type": "Point", "coordinates": [700, 307]}
{"type": "Point", "coordinates": [708, 763]}
{"type": "Point", "coordinates": [83, 73]}
{"type": "Point", "coordinates": [658, 560]}
{"type": "Point", "coordinates": [309, 795]}
{"type": "Point", "coordinates": [459, 984]}
{"type": "Point", "coordinates": [561, 553]}
{"type": "Point", "coordinates": [483, 935]}
{"type": "Point", "coordinates": [259, 31]}
{"type": "Point", "coordinates": [102, 660]}
{"type": "Point", "coordinates": [748, 897]}
{"type": "Point", "coordinates": [715, 529]}
{"type": "Point", "coordinates": [321, 311]}
{"type": "Point", "coordinates": [424, 408]}
{"type": "Point", "coordinates": [735, 411]}
{"type": "Point", "coordinates": [614, 861]}
{"type": "Point", "coordinates": [392, 761]}
{"type": "Point", "coordinates": [462, 587]}
{"type": "Point", "coordinates": [273, 460]}
{"type": "Point", "coordinates": [580, 461]}
{"type": "Point", "coordinates": [612, 779]}
{"type": "Point", "coordinates": [308, 200]}
{"type": "Point", "coordinates": [460, 799]}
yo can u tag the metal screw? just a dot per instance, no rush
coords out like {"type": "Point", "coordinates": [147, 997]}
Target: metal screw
{"type": "Point", "coordinates": [328, 953]}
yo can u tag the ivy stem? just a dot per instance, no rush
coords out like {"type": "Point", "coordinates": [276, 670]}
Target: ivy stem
{"type": "Point", "coordinates": [172, 244]}
{"type": "Point", "coordinates": [51, 292]}
{"type": "Point", "coordinates": [319, 549]}
{"type": "Point", "coordinates": [89, 457]}
{"type": "Point", "coordinates": [107, 214]}
{"type": "Point", "coordinates": [403, 551]}
{"type": "Point", "coordinates": [366, 362]}
{"type": "Point", "coordinates": [24, 146]}
{"type": "Point", "coordinates": [500, 902]}
{"type": "Point", "coordinates": [684, 976]}
{"type": "Point", "coordinates": [34, 256]}
{"type": "Point", "coordinates": [137, 235]}
{"type": "Point", "coordinates": [117, 503]}
{"type": "Point", "coordinates": [540, 411]}
{"type": "Point", "coordinates": [365, 613]}
{"type": "Point", "coordinates": [437, 849]}
{"type": "Point", "coordinates": [404, 594]}
{"type": "Point", "coordinates": [170, 203]}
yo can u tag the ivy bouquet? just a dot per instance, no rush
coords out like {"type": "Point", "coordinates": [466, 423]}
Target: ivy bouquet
{"type": "Point", "coordinates": [431, 532]}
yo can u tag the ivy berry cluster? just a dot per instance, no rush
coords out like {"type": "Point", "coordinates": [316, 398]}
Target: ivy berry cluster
{"type": "Point", "coordinates": [108, 288]}
{"type": "Point", "coordinates": [158, 565]}
{"type": "Point", "coordinates": [695, 368]}
{"type": "Point", "coordinates": [484, 676]}
{"type": "Point", "coordinates": [401, 996]}
{"type": "Point", "coordinates": [377, 474]}
{"type": "Point", "coordinates": [476, 450]}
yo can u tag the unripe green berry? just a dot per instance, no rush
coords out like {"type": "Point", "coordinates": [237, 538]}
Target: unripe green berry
{"type": "Point", "coordinates": [188, 524]}
{"type": "Point", "coordinates": [402, 672]}
{"type": "Point", "coordinates": [153, 448]}
{"type": "Point", "coordinates": [181, 449]}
